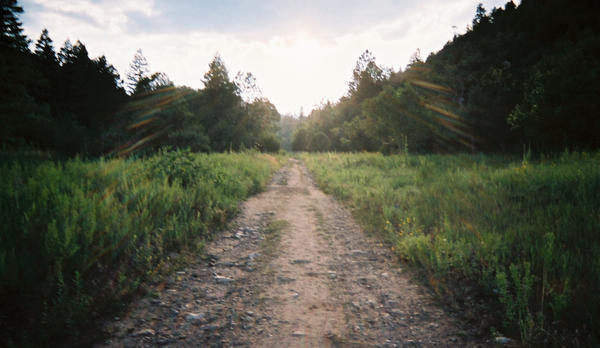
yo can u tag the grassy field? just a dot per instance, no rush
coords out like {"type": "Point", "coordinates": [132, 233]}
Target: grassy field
{"type": "Point", "coordinates": [516, 238]}
{"type": "Point", "coordinates": [78, 235]}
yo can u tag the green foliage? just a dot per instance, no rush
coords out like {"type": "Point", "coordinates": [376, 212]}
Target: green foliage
{"type": "Point", "coordinates": [270, 143]}
{"type": "Point", "coordinates": [71, 103]}
{"type": "Point", "coordinates": [519, 234]}
{"type": "Point", "coordinates": [77, 235]}
{"type": "Point", "coordinates": [482, 91]}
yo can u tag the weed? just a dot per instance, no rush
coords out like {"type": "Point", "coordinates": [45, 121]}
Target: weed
{"type": "Point", "coordinates": [77, 235]}
{"type": "Point", "coordinates": [520, 233]}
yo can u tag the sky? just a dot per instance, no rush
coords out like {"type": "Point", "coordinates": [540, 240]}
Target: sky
{"type": "Point", "coordinates": [301, 52]}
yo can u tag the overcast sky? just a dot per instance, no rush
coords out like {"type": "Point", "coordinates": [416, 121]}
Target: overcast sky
{"type": "Point", "coordinates": [301, 52]}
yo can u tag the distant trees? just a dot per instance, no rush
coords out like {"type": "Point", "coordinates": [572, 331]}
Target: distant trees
{"type": "Point", "coordinates": [69, 103]}
{"type": "Point", "coordinates": [215, 118]}
{"type": "Point", "coordinates": [525, 75]}
{"type": "Point", "coordinates": [285, 132]}
{"type": "Point", "coordinates": [522, 75]}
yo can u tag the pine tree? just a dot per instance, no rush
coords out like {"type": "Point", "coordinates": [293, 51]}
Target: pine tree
{"type": "Point", "coordinates": [11, 32]}
{"type": "Point", "coordinates": [44, 48]}
{"type": "Point", "coordinates": [66, 53]}
{"type": "Point", "coordinates": [138, 72]}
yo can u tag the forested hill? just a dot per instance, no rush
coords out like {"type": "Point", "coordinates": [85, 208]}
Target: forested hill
{"type": "Point", "coordinates": [68, 103]}
{"type": "Point", "coordinates": [526, 75]}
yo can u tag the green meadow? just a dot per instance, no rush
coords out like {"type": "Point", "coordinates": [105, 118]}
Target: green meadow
{"type": "Point", "coordinates": [78, 236]}
{"type": "Point", "coordinates": [514, 237]}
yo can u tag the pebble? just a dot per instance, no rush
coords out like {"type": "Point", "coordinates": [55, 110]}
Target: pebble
{"type": "Point", "coordinates": [301, 262]}
{"type": "Point", "coordinates": [502, 340]}
{"type": "Point", "coordinates": [298, 334]}
{"type": "Point", "coordinates": [209, 327]}
{"type": "Point", "coordinates": [253, 256]}
{"type": "Point", "coordinates": [285, 279]}
{"type": "Point", "coordinates": [358, 252]}
{"type": "Point", "coordinates": [223, 280]}
{"type": "Point", "coordinates": [195, 317]}
{"type": "Point", "coordinates": [144, 332]}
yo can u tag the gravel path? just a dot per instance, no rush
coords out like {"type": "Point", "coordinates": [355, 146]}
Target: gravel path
{"type": "Point", "coordinates": [294, 270]}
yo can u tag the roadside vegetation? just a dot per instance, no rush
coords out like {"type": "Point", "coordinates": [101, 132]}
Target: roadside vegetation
{"type": "Point", "coordinates": [78, 235]}
{"type": "Point", "coordinates": [516, 238]}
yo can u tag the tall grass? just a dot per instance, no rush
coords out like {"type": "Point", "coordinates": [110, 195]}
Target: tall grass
{"type": "Point", "coordinates": [523, 235]}
{"type": "Point", "coordinates": [78, 234]}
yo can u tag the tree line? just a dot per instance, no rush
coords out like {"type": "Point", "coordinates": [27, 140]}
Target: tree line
{"type": "Point", "coordinates": [521, 76]}
{"type": "Point", "coordinates": [68, 103]}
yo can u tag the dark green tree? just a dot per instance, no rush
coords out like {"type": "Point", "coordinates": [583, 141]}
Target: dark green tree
{"type": "Point", "coordinates": [22, 117]}
{"type": "Point", "coordinates": [11, 31]}
{"type": "Point", "coordinates": [44, 48]}
{"type": "Point", "coordinates": [220, 106]}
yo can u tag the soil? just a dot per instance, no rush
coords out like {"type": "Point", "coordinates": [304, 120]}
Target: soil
{"type": "Point", "coordinates": [293, 270]}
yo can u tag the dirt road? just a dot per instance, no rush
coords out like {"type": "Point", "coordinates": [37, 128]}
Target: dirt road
{"type": "Point", "coordinates": [294, 270]}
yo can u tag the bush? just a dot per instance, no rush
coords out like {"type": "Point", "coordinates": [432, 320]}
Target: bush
{"type": "Point", "coordinates": [270, 143]}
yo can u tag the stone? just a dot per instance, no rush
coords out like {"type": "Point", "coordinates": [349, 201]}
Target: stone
{"type": "Point", "coordinates": [357, 252]}
{"type": "Point", "coordinates": [284, 280]}
{"type": "Point", "coordinates": [223, 280]}
{"type": "Point", "coordinates": [166, 341]}
{"type": "Point", "coordinates": [144, 333]}
{"type": "Point", "coordinates": [209, 327]}
{"type": "Point", "coordinates": [301, 262]}
{"type": "Point", "coordinates": [298, 334]}
{"type": "Point", "coordinates": [253, 256]}
{"type": "Point", "coordinates": [503, 340]}
{"type": "Point", "coordinates": [195, 318]}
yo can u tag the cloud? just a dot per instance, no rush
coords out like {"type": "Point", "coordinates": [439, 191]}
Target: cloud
{"type": "Point", "coordinates": [106, 15]}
